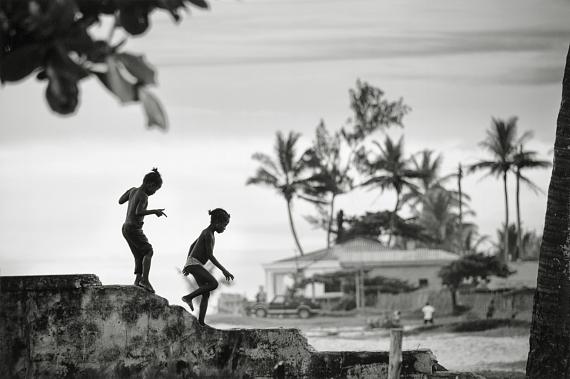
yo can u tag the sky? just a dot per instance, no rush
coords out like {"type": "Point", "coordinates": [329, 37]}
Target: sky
{"type": "Point", "coordinates": [231, 77]}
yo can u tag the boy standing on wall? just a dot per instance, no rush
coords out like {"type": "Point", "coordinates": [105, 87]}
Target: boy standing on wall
{"type": "Point", "coordinates": [132, 228]}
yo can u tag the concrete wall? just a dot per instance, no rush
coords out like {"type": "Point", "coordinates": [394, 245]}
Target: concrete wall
{"type": "Point", "coordinates": [71, 326]}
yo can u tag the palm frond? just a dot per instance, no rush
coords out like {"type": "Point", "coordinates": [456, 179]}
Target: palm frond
{"type": "Point", "coordinates": [262, 176]}
{"type": "Point", "coordinates": [266, 161]}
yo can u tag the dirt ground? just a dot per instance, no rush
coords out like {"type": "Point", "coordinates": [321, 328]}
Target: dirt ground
{"type": "Point", "coordinates": [496, 349]}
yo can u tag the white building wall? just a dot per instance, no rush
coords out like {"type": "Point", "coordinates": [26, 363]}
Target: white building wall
{"type": "Point", "coordinates": [278, 277]}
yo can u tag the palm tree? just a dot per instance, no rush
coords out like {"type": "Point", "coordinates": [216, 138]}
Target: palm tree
{"type": "Point", "coordinates": [282, 173]}
{"type": "Point", "coordinates": [440, 218]}
{"type": "Point", "coordinates": [330, 176]}
{"type": "Point", "coordinates": [550, 328]}
{"type": "Point", "coordinates": [501, 142]}
{"type": "Point", "coordinates": [429, 167]}
{"type": "Point", "coordinates": [389, 169]}
{"type": "Point", "coordinates": [438, 215]}
{"type": "Point", "coordinates": [525, 159]}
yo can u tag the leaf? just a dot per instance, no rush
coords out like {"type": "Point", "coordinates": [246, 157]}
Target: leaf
{"type": "Point", "coordinates": [62, 93]}
{"type": "Point", "coordinates": [18, 64]}
{"type": "Point", "coordinates": [59, 59]}
{"type": "Point", "coordinates": [134, 18]}
{"type": "Point", "coordinates": [199, 3]}
{"type": "Point", "coordinates": [154, 111]}
{"type": "Point", "coordinates": [138, 67]}
{"type": "Point", "coordinates": [116, 83]}
{"type": "Point", "coordinates": [172, 6]}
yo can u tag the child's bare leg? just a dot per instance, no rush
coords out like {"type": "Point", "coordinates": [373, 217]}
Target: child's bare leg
{"type": "Point", "coordinates": [203, 307]}
{"type": "Point", "coordinates": [138, 268]}
{"type": "Point", "coordinates": [206, 283]}
{"type": "Point", "coordinates": [146, 269]}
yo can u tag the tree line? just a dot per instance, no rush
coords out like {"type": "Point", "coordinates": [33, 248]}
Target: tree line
{"type": "Point", "coordinates": [430, 209]}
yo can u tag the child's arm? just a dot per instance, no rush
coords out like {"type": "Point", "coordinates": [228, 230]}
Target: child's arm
{"type": "Point", "coordinates": [141, 210]}
{"type": "Point", "coordinates": [209, 246]}
{"type": "Point", "coordinates": [219, 265]}
{"type": "Point", "coordinates": [125, 197]}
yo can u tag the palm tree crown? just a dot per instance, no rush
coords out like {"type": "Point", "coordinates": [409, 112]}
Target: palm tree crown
{"type": "Point", "coordinates": [501, 143]}
{"type": "Point", "coordinates": [389, 169]}
{"type": "Point", "coordinates": [283, 173]}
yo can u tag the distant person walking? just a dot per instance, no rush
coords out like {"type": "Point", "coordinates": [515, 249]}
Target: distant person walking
{"type": "Point", "coordinates": [202, 251]}
{"type": "Point", "coordinates": [491, 309]}
{"type": "Point", "coordinates": [261, 296]}
{"type": "Point", "coordinates": [396, 317]}
{"type": "Point", "coordinates": [132, 228]}
{"type": "Point", "coordinates": [428, 312]}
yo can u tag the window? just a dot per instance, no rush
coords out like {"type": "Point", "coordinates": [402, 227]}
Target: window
{"type": "Point", "coordinates": [423, 282]}
{"type": "Point", "coordinates": [332, 286]}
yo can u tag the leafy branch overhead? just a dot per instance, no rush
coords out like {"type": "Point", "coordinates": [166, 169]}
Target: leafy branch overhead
{"type": "Point", "coordinates": [54, 40]}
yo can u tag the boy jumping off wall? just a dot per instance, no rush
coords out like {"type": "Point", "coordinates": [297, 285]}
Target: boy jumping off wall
{"type": "Point", "coordinates": [200, 252]}
{"type": "Point", "coordinates": [132, 228]}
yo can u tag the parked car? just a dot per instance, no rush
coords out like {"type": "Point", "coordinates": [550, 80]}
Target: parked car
{"type": "Point", "coordinates": [283, 306]}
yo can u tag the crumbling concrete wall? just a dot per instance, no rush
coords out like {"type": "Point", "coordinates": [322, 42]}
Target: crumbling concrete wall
{"type": "Point", "coordinates": [71, 326]}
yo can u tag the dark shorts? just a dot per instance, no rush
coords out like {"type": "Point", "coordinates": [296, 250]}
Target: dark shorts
{"type": "Point", "coordinates": [138, 243]}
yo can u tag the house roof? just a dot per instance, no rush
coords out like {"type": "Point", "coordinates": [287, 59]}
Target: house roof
{"type": "Point", "coordinates": [396, 257]}
{"type": "Point", "coordinates": [318, 255]}
{"type": "Point", "coordinates": [361, 251]}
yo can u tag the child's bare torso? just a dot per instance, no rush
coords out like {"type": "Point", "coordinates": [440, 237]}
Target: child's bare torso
{"type": "Point", "coordinates": [138, 199]}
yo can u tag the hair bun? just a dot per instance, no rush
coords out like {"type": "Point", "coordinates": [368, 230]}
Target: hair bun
{"type": "Point", "coordinates": [155, 169]}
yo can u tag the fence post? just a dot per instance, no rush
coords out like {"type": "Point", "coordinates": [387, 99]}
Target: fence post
{"type": "Point", "coordinates": [395, 360]}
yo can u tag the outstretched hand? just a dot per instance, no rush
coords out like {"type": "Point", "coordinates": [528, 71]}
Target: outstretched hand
{"type": "Point", "coordinates": [160, 212]}
{"type": "Point", "coordinates": [228, 276]}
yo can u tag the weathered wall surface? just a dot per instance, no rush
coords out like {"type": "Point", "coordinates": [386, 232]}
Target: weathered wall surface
{"type": "Point", "coordinates": [71, 326]}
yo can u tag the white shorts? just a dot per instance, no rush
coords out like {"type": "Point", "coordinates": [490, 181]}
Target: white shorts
{"type": "Point", "coordinates": [191, 261]}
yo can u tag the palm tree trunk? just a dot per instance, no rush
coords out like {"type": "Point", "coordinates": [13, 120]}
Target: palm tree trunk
{"type": "Point", "coordinates": [331, 217]}
{"type": "Point", "coordinates": [293, 228]}
{"type": "Point", "coordinates": [518, 252]}
{"type": "Point", "coordinates": [506, 233]}
{"type": "Point", "coordinates": [453, 292]}
{"type": "Point", "coordinates": [393, 218]}
{"type": "Point", "coordinates": [550, 329]}
{"type": "Point", "coordinates": [459, 177]}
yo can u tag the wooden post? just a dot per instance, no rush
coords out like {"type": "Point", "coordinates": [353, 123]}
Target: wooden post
{"type": "Point", "coordinates": [357, 289]}
{"type": "Point", "coordinates": [313, 290]}
{"type": "Point", "coordinates": [362, 294]}
{"type": "Point", "coordinates": [395, 360]}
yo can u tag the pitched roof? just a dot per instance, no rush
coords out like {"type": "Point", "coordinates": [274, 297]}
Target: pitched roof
{"type": "Point", "coordinates": [318, 255]}
{"type": "Point", "coordinates": [394, 257]}
{"type": "Point", "coordinates": [366, 251]}
{"type": "Point", "coordinates": [359, 244]}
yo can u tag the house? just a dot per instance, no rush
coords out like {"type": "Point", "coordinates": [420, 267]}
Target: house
{"type": "Point", "coordinates": [363, 256]}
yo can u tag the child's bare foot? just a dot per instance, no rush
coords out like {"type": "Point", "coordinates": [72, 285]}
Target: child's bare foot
{"type": "Point", "coordinates": [137, 281]}
{"type": "Point", "coordinates": [188, 301]}
{"type": "Point", "coordinates": [146, 285]}
{"type": "Point", "coordinates": [203, 324]}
